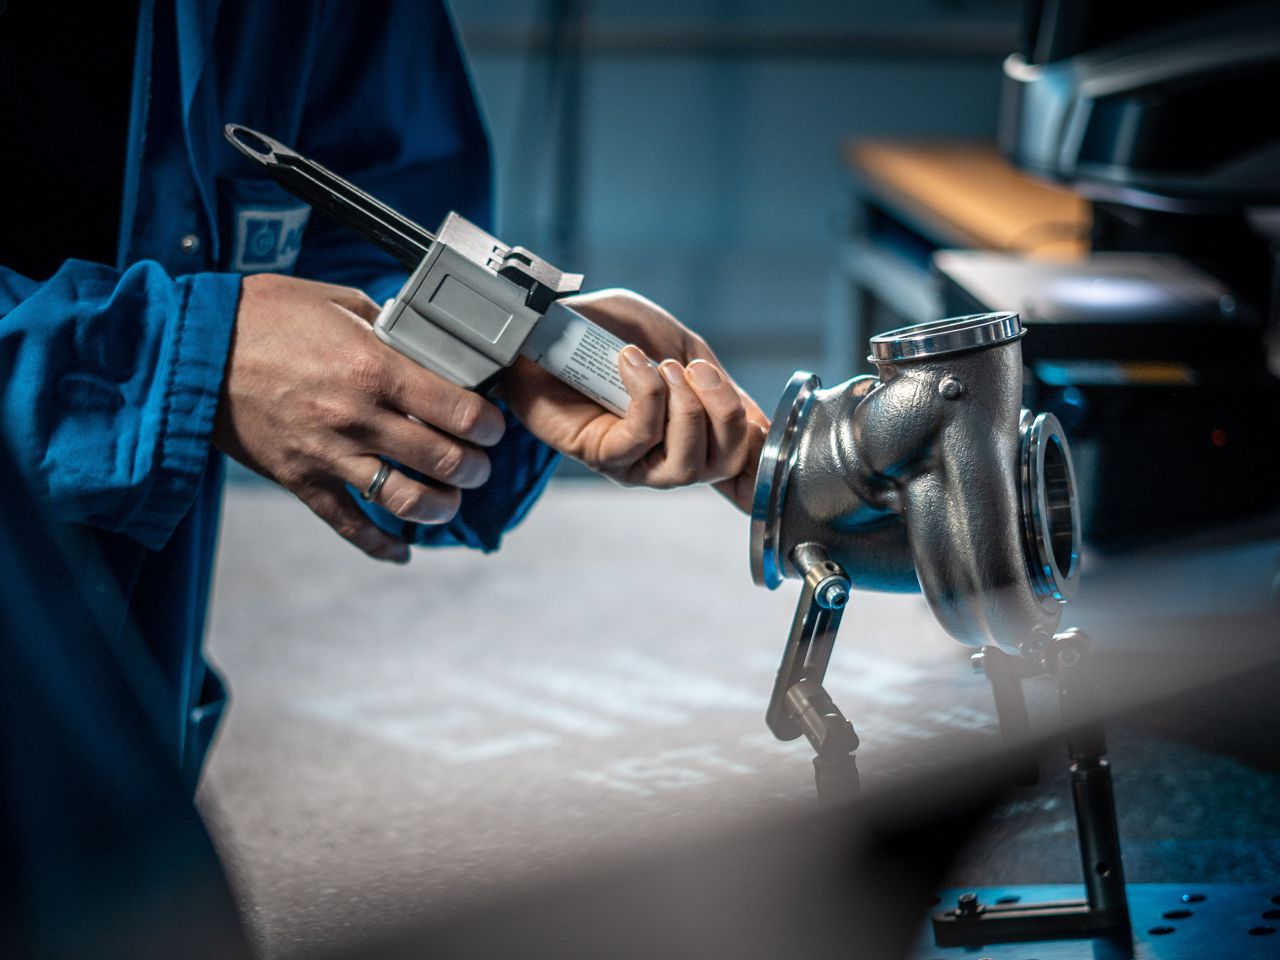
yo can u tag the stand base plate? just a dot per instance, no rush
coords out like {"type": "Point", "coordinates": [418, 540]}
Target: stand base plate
{"type": "Point", "coordinates": [1170, 922]}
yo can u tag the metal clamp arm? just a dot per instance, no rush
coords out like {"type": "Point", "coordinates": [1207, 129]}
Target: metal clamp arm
{"type": "Point", "coordinates": [813, 635]}
{"type": "Point", "coordinates": [800, 704]}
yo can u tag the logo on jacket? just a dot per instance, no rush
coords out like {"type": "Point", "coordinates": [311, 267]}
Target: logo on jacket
{"type": "Point", "coordinates": [268, 238]}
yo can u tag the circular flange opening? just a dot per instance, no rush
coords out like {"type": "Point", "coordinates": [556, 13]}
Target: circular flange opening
{"type": "Point", "coordinates": [776, 460]}
{"type": "Point", "coordinates": [1050, 509]}
{"type": "Point", "coordinates": [939, 337]}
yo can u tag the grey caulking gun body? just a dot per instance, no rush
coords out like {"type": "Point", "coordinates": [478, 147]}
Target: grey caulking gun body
{"type": "Point", "coordinates": [471, 304]}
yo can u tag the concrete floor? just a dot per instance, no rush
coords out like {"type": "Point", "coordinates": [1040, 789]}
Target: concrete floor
{"type": "Point", "coordinates": [407, 743]}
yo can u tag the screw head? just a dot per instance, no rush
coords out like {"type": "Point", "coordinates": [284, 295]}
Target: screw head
{"type": "Point", "coordinates": [834, 596]}
{"type": "Point", "coordinates": [950, 388]}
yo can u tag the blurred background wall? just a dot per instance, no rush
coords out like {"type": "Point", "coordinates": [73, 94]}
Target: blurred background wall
{"type": "Point", "coordinates": [690, 149]}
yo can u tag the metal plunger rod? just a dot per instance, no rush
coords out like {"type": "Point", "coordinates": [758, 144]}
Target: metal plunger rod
{"type": "Point", "coordinates": [340, 199]}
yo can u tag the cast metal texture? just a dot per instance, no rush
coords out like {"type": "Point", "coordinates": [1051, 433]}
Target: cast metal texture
{"type": "Point", "coordinates": [930, 476]}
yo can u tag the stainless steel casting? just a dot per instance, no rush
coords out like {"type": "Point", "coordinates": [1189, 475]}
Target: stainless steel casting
{"type": "Point", "coordinates": [930, 476]}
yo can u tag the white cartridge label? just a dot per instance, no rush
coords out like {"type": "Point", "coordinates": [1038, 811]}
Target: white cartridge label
{"type": "Point", "coordinates": [573, 349]}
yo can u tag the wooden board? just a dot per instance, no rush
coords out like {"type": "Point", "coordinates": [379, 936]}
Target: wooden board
{"type": "Point", "coordinates": [969, 196]}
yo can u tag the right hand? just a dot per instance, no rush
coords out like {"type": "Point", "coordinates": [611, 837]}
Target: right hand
{"type": "Point", "coordinates": [687, 421]}
{"type": "Point", "coordinates": [312, 399]}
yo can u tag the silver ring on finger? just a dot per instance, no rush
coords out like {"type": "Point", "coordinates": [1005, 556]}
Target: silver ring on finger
{"type": "Point", "coordinates": [371, 491]}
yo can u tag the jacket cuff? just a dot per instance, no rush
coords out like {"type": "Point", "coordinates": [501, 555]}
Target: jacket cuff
{"type": "Point", "coordinates": [193, 364]}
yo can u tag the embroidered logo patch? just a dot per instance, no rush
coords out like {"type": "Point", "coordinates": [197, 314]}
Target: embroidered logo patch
{"type": "Point", "coordinates": [268, 238]}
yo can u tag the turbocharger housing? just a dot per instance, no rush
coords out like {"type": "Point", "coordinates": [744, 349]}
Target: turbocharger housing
{"type": "Point", "coordinates": [930, 476]}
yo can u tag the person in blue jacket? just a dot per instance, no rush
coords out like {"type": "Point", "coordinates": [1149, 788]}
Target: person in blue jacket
{"type": "Point", "coordinates": [162, 304]}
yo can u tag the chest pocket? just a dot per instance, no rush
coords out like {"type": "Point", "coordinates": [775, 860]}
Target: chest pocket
{"type": "Point", "coordinates": [263, 226]}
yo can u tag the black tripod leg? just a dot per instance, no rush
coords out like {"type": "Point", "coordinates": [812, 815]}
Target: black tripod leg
{"type": "Point", "coordinates": [1105, 912]}
{"type": "Point", "coordinates": [1005, 675]}
{"type": "Point", "coordinates": [1091, 790]}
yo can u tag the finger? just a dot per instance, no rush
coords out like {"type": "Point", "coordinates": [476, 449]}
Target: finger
{"type": "Point", "coordinates": [428, 451]}
{"type": "Point", "coordinates": [699, 350]}
{"type": "Point", "coordinates": [393, 378]}
{"type": "Point", "coordinates": [400, 383]}
{"type": "Point", "coordinates": [754, 413]}
{"type": "Point", "coordinates": [682, 458]}
{"type": "Point", "coordinates": [641, 430]}
{"type": "Point", "coordinates": [727, 423]}
{"type": "Point", "coordinates": [740, 489]}
{"type": "Point", "coordinates": [336, 508]}
{"type": "Point", "coordinates": [404, 496]}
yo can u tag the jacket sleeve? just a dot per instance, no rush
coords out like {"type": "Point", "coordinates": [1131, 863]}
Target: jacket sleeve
{"type": "Point", "coordinates": [390, 107]}
{"type": "Point", "coordinates": [110, 383]}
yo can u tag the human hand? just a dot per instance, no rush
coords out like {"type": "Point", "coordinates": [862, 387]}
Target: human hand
{"type": "Point", "coordinates": [687, 421]}
{"type": "Point", "coordinates": [312, 399]}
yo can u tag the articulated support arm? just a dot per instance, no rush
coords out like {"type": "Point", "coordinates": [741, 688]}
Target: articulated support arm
{"type": "Point", "coordinates": [800, 704]}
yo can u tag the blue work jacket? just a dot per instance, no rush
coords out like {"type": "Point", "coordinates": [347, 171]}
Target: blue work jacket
{"type": "Point", "coordinates": [111, 372]}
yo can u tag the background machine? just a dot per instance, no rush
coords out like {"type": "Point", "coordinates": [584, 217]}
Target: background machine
{"type": "Point", "coordinates": [1154, 353]}
{"type": "Point", "coordinates": [1156, 349]}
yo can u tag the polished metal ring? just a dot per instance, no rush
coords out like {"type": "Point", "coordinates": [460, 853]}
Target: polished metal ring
{"type": "Point", "coordinates": [776, 461]}
{"type": "Point", "coordinates": [940, 337]}
{"type": "Point", "coordinates": [1050, 508]}
{"type": "Point", "coordinates": [379, 478]}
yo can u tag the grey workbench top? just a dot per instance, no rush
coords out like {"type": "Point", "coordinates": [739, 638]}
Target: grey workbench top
{"type": "Point", "coordinates": [405, 743]}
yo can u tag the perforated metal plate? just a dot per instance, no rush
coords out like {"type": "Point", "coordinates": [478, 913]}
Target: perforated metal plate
{"type": "Point", "coordinates": [1170, 922]}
